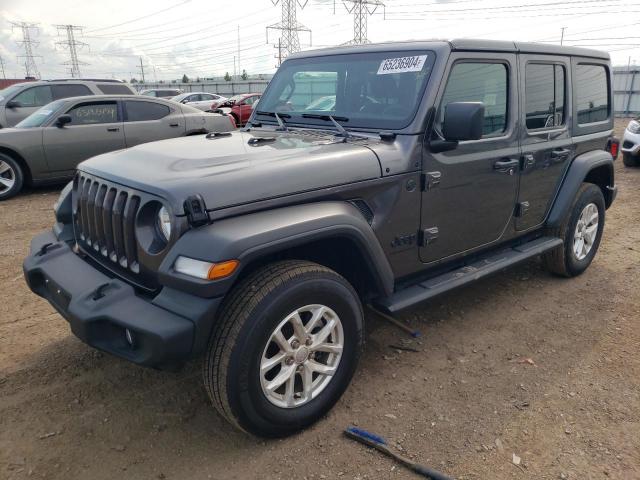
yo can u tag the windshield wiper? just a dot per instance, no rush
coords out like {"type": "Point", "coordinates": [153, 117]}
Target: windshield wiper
{"type": "Point", "coordinates": [278, 117]}
{"type": "Point", "coordinates": [342, 131]}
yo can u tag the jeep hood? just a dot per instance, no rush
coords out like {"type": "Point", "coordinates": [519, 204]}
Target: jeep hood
{"type": "Point", "coordinates": [237, 168]}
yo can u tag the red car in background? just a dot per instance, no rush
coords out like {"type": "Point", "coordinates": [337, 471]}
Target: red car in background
{"type": "Point", "coordinates": [241, 106]}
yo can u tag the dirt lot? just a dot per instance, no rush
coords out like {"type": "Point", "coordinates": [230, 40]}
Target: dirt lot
{"type": "Point", "coordinates": [465, 403]}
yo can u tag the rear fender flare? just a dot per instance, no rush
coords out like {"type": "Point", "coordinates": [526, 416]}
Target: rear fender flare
{"type": "Point", "coordinates": [576, 174]}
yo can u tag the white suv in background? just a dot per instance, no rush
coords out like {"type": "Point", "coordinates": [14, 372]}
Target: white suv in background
{"type": "Point", "coordinates": [631, 144]}
{"type": "Point", "coordinates": [201, 100]}
{"type": "Point", "coordinates": [20, 100]}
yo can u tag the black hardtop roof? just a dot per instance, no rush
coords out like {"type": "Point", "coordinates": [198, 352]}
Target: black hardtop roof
{"type": "Point", "coordinates": [463, 44]}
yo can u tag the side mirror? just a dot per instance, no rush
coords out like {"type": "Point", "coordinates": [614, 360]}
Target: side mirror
{"type": "Point", "coordinates": [462, 121]}
{"type": "Point", "coordinates": [63, 120]}
{"type": "Point", "coordinates": [13, 104]}
{"type": "Point", "coordinates": [185, 101]}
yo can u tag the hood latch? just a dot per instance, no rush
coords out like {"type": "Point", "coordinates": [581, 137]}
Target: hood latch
{"type": "Point", "coordinates": [196, 210]}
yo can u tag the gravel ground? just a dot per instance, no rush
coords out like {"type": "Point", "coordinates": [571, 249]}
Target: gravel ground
{"type": "Point", "coordinates": [523, 364]}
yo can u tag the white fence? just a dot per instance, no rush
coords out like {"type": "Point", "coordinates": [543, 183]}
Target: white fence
{"type": "Point", "coordinates": [626, 90]}
{"type": "Point", "coordinates": [223, 88]}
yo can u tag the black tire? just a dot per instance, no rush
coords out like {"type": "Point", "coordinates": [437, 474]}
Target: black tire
{"type": "Point", "coordinates": [629, 160]}
{"type": "Point", "coordinates": [562, 260]}
{"type": "Point", "coordinates": [252, 312]}
{"type": "Point", "coordinates": [14, 172]}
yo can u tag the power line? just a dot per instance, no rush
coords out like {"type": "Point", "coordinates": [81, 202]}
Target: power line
{"type": "Point", "coordinates": [289, 27]}
{"type": "Point", "coordinates": [139, 18]}
{"type": "Point", "coordinates": [361, 10]}
{"type": "Point", "coordinates": [72, 45]}
{"type": "Point", "coordinates": [30, 67]}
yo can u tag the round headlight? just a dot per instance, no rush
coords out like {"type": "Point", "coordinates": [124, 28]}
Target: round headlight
{"type": "Point", "coordinates": [634, 126]}
{"type": "Point", "coordinates": [164, 223]}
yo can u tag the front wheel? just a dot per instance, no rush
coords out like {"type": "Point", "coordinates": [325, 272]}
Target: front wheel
{"type": "Point", "coordinates": [11, 177]}
{"type": "Point", "coordinates": [629, 160]}
{"type": "Point", "coordinates": [285, 348]}
{"type": "Point", "coordinates": [581, 232]}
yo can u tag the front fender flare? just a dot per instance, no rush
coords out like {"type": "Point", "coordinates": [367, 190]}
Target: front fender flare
{"type": "Point", "coordinates": [575, 176]}
{"type": "Point", "coordinates": [248, 237]}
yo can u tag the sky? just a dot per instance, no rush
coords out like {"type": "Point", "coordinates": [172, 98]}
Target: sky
{"type": "Point", "coordinates": [200, 38]}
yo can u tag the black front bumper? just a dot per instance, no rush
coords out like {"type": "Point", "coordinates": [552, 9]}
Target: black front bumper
{"type": "Point", "coordinates": [165, 330]}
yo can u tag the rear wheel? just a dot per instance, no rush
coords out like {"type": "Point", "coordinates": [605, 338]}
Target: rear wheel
{"type": "Point", "coordinates": [285, 348]}
{"type": "Point", "coordinates": [581, 232]}
{"type": "Point", "coordinates": [629, 160]}
{"type": "Point", "coordinates": [11, 177]}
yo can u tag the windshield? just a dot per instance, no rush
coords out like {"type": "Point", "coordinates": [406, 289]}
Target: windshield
{"type": "Point", "coordinates": [380, 90]}
{"type": "Point", "coordinates": [7, 92]}
{"type": "Point", "coordinates": [41, 116]}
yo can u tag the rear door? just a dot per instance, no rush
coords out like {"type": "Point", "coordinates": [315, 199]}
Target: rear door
{"type": "Point", "coordinates": [546, 143]}
{"type": "Point", "coordinates": [470, 192]}
{"type": "Point", "coordinates": [148, 121]}
{"type": "Point", "coordinates": [30, 100]}
{"type": "Point", "coordinates": [95, 128]}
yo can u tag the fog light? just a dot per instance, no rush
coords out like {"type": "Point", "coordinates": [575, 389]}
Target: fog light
{"type": "Point", "coordinates": [129, 336]}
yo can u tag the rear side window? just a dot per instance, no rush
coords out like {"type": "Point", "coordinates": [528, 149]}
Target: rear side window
{"type": "Point", "coordinates": [94, 112]}
{"type": "Point", "coordinates": [480, 82]}
{"type": "Point", "coordinates": [114, 89]}
{"type": "Point", "coordinates": [592, 96]}
{"type": "Point", "coordinates": [34, 97]}
{"type": "Point", "coordinates": [143, 111]}
{"type": "Point", "coordinates": [69, 90]}
{"type": "Point", "coordinates": [544, 95]}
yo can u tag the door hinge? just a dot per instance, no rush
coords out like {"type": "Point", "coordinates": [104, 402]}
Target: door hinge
{"type": "Point", "coordinates": [430, 180]}
{"type": "Point", "coordinates": [427, 236]}
{"type": "Point", "coordinates": [527, 162]}
{"type": "Point", "coordinates": [521, 208]}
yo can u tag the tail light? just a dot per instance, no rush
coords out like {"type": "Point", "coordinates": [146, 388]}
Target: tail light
{"type": "Point", "coordinates": [613, 147]}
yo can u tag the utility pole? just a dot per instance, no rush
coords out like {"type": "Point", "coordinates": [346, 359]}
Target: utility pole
{"type": "Point", "coordinates": [73, 46]}
{"type": "Point", "coordinates": [562, 35]}
{"type": "Point", "coordinates": [30, 67]}
{"type": "Point", "coordinates": [361, 10]}
{"type": "Point", "coordinates": [239, 69]}
{"type": "Point", "coordinates": [235, 73]}
{"type": "Point", "coordinates": [2, 66]}
{"type": "Point", "coordinates": [142, 70]}
{"type": "Point", "coordinates": [289, 28]}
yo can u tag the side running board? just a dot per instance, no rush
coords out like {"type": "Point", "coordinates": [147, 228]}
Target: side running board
{"type": "Point", "coordinates": [492, 263]}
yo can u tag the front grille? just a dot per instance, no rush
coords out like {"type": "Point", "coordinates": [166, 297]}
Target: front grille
{"type": "Point", "coordinates": [104, 219]}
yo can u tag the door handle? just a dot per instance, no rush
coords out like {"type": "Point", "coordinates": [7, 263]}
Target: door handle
{"type": "Point", "coordinates": [113, 129]}
{"type": "Point", "coordinates": [174, 124]}
{"type": "Point", "coordinates": [506, 165]}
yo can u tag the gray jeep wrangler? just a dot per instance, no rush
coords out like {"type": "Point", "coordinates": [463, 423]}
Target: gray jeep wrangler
{"type": "Point", "coordinates": [379, 175]}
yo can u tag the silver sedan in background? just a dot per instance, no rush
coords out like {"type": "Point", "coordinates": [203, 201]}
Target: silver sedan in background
{"type": "Point", "coordinates": [201, 100]}
{"type": "Point", "coordinates": [47, 146]}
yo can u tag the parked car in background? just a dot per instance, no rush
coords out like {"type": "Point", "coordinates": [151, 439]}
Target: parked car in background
{"type": "Point", "coordinates": [161, 92]}
{"type": "Point", "coordinates": [204, 101]}
{"type": "Point", "coordinates": [20, 100]}
{"type": "Point", "coordinates": [631, 144]}
{"type": "Point", "coordinates": [47, 146]}
{"type": "Point", "coordinates": [241, 106]}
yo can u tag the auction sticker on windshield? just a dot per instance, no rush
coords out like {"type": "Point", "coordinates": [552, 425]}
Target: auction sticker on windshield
{"type": "Point", "coordinates": [402, 64]}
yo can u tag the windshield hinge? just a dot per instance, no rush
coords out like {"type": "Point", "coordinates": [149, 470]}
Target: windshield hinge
{"type": "Point", "coordinates": [430, 180]}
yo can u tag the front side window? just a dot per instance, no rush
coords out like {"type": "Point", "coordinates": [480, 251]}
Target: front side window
{"type": "Point", "coordinates": [34, 97]}
{"type": "Point", "coordinates": [69, 90]}
{"type": "Point", "coordinates": [380, 90]}
{"type": "Point", "coordinates": [94, 113]}
{"type": "Point", "coordinates": [250, 100]}
{"type": "Point", "coordinates": [480, 82]}
{"type": "Point", "coordinates": [544, 95]}
{"type": "Point", "coordinates": [592, 94]}
{"type": "Point", "coordinates": [144, 111]}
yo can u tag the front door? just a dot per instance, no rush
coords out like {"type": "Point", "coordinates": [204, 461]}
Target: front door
{"type": "Point", "coordinates": [470, 192]}
{"type": "Point", "coordinates": [546, 143]}
{"type": "Point", "coordinates": [95, 128]}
